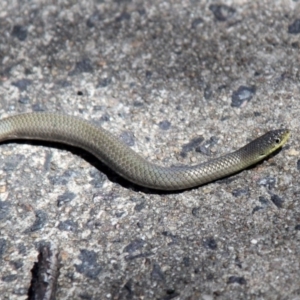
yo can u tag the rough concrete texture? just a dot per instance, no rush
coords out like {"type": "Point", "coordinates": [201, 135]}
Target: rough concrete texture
{"type": "Point", "coordinates": [180, 81]}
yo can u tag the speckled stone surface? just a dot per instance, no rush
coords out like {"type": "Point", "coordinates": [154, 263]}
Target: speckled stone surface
{"type": "Point", "coordinates": [180, 82]}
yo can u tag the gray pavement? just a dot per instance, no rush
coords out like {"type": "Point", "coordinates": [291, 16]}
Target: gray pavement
{"type": "Point", "coordinates": [180, 82]}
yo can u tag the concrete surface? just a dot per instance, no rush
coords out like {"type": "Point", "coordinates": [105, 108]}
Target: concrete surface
{"type": "Point", "coordinates": [181, 82]}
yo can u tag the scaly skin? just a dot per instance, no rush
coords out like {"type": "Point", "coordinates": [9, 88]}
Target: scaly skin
{"type": "Point", "coordinates": [127, 163]}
